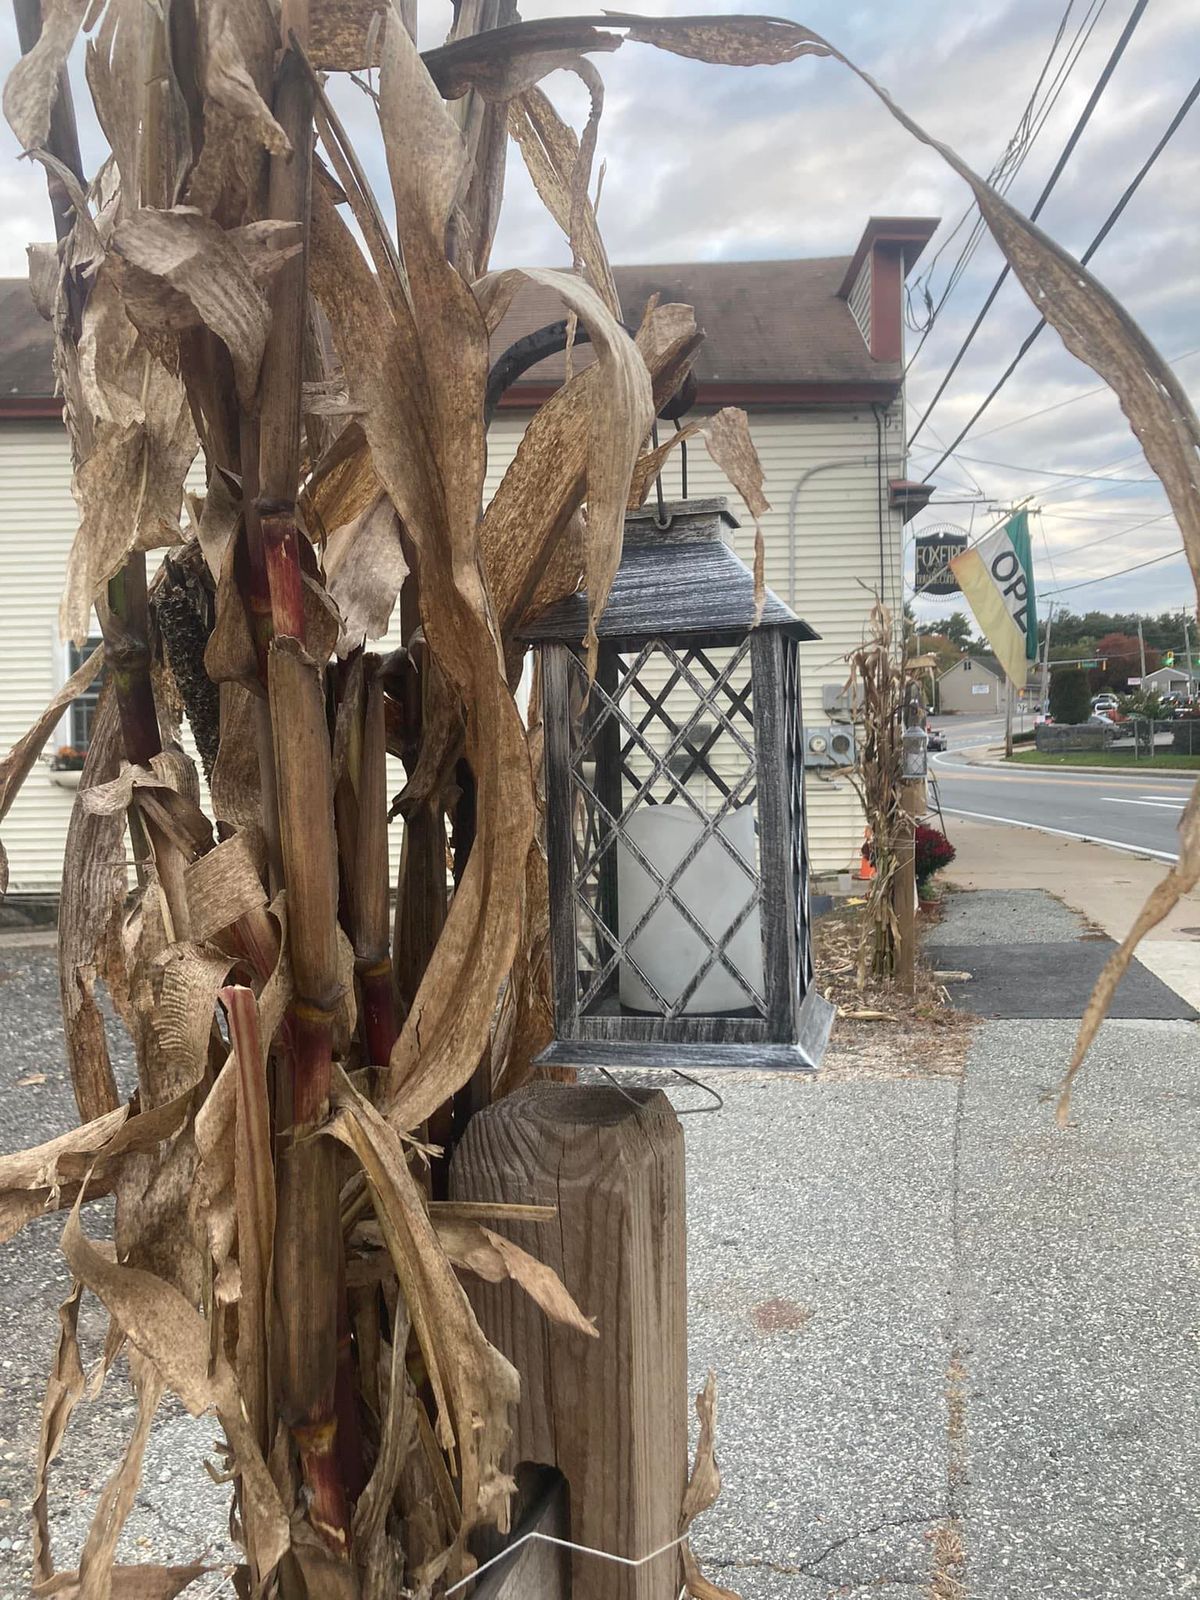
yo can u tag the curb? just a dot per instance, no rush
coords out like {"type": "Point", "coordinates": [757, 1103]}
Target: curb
{"type": "Point", "coordinates": [1001, 763]}
{"type": "Point", "coordinates": [1186, 775]}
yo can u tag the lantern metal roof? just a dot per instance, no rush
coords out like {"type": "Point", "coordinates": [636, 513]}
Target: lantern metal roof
{"type": "Point", "coordinates": [683, 578]}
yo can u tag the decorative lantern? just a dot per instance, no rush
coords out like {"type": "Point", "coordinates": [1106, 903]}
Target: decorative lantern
{"type": "Point", "coordinates": [679, 920]}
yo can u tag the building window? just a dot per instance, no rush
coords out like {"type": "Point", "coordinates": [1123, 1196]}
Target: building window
{"type": "Point", "coordinates": [83, 709]}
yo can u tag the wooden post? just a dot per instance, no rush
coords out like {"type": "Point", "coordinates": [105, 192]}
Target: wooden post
{"type": "Point", "coordinates": [906, 887]}
{"type": "Point", "coordinates": [609, 1413]}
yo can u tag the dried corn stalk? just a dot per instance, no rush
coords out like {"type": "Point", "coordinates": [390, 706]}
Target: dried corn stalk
{"type": "Point", "coordinates": [278, 1259]}
{"type": "Point", "coordinates": [876, 687]}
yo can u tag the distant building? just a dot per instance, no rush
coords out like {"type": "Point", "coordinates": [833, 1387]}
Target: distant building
{"type": "Point", "coordinates": [1167, 680]}
{"type": "Point", "coordinates": [975, 685]}
{"type": "Point", "coordinates": [813, 349]}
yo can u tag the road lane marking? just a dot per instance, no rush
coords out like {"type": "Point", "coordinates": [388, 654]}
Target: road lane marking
{"type": "Point", "coordinates": [1163, 805]}
{"type": "Point", "coordinates": [1062, 833]}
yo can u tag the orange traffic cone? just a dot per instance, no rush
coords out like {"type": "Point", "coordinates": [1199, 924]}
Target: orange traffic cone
{"type": "Point", "coordinates": [866, 869]}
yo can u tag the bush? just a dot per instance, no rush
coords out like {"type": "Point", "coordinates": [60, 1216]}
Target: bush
{"type": "Point", "coordinates": [1070, 697]}
{"type": "Point", "coordinates": [933, 852]}
{"type": "Point", "coordinates": [1145, 704]}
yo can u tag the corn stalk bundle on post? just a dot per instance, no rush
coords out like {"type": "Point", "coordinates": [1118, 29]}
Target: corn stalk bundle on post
{"type": "Point", "coordinates": [877, 686]}
{"type": "Point", "coordinates": [226, 290]}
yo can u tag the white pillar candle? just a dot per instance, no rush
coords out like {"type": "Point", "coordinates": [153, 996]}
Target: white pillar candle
{"type": "Point", "coordinates": [713, 887]}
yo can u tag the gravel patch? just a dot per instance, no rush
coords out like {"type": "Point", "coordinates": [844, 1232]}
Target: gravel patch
{"type": "Point", "coordinates": [1005, 916]}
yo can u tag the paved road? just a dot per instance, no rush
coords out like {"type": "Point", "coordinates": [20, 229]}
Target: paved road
{"type": "Point", "coordinates": [1131, 810]}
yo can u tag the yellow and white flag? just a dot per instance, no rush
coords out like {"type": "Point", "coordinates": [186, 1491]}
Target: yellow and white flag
{"type": "Point", "coordinates": [995, 577]}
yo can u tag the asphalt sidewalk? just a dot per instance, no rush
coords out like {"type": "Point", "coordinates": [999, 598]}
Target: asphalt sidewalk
{"type": "Point", "coordinates": [1107, 888]}
{"type": "Point", "coordinates": [955, 1346]}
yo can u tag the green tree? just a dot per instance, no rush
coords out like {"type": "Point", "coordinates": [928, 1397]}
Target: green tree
{"type": "Point", "coordinates": [1070, 696]}
{"type": "Point", "coordinates": [957, 628]}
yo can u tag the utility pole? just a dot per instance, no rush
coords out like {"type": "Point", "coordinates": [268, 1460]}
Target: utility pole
{"type": "Point", "coordinates": [1045, 694]}
{"type": "Point", "coordinates": [1142, 650]}
{"type": "Point", "coordinates": [1010, 689]}
{"type": "Point", "coordinates": [1187, 653]}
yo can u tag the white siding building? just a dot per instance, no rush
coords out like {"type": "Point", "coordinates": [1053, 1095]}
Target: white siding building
{"type": "Point", "coordinates": [812, 349]}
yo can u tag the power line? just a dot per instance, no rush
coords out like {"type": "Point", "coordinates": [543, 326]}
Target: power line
{"type": "Point", "coordinates": [1109, 576]}
{"type": "Point", "coordinates": [1101, 388]}
{"type": "Point", "coordinates": [1044, 472]}
{"type": "Point", "coordinates": [1004, 172]}
{"type": "Point", "coordinates": [1085, 115]}
{"type": "Point", "coordinates": [1107, 225]}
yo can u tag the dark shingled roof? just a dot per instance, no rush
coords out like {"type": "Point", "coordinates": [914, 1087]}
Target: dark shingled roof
{"type": "Point", "coordinates": [26, 343]}
{"type": "Point", "coordinates": [767, 322]}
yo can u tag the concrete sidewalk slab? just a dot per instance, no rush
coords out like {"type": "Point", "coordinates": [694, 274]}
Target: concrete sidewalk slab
{"type": "Point", "coordinates": [1077, 1300]}
{"type": "Point", "coordinates": [1105, 886]}
{"type": "Point", "coordinates": [819, 1260]}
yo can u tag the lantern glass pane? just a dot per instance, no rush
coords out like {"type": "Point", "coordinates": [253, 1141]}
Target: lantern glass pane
{"type": "Point", "coordinates": [667, 872]}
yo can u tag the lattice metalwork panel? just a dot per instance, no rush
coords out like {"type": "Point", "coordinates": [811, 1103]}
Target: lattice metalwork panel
{"type": "Point", "coordinates": [666, 884]}
{"type": "Point", "coordinates": [794, 756]}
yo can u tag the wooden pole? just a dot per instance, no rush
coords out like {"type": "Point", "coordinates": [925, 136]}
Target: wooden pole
{"type": "Point", "coordinates": [609, 1413]}
{"type": "Point", "coordinates": [906, 887]}
{"type": "Point", "coordinates": [1009, 690]}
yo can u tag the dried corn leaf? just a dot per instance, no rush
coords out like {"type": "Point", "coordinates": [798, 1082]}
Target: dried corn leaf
{"type": "Point", "coordinates": [254, 1177]}
{"type": "Point", "coordinates": [731, 41]}
{"type": "Point", "coordinates": [703, 1487]}
{"type": "Point", "coordinates": [494, 1258]}
{"type": "Point", "coordinates": [1161, 901]}
{"type": "Point", "coordinates": [547, 479]}
{"type": "Point", "coordinates": [173, 1338]}
{"type": "Point", "coordinates": [560, 166]}
{"type": "Point", "coordinates": [422, 394]}
{"type": "Point", "coordinates": [364, 568]}
{"type": "Point", "coordinates": [148, 1582]}
{"type": "Point", "coordinates": [90, 917]}
{"type": "Point", "coordinates": [116, 1498]}
{"type": "Point", "coordinates": [64, 1390]}
{"type": "Point", "coordinates": [472, 1383]}
{"type": "Point", "coordinates": [224, 885]}
{"type": "Point", "coordinates": [32, 86]}
{"type": "Point", "coordinates": [189, 980]}
{"type": "Point", "coordinates": [340, 32]}
{"type": "Point", "coordinates": [500, 62]}
{"type": "Point", "coordinates": [47, 1173]}
{"type": "Point", "coordinates": [237, 42]}
{"type": "Point", "coordinates": [619, 418]}
{"type": "Point", "coordinates": [187, 270]}
{"type": "Point", "coordinates": [240, 41]}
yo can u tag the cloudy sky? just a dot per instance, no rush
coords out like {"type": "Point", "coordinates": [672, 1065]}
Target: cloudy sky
{"type": "Point", "coordinates": [708, 163]}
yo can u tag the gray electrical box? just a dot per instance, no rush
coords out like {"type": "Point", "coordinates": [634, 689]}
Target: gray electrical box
{"type": "Point", "coordinates": [831, 745]}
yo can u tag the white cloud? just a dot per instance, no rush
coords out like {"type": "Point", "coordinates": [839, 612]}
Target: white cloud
{"type": "Point", "coordinates": [712, 163]}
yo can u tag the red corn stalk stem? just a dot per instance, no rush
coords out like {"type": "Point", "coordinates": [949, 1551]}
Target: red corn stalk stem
{"type": "Point", "coordinates": [351, 1457]}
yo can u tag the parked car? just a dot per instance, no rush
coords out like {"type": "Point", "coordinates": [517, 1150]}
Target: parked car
{"type": "Point", "coordinates": [1105, 702]}
{"type": "Point", "coordinates": [937, 740]}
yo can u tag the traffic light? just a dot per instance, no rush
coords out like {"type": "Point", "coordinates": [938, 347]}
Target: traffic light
{"type": "Point", "coordinates": [1169, 658]}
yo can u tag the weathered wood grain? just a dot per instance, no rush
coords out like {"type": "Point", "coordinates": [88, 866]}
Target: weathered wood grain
{"type": "Point", "coordinates": [610, 1413]}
